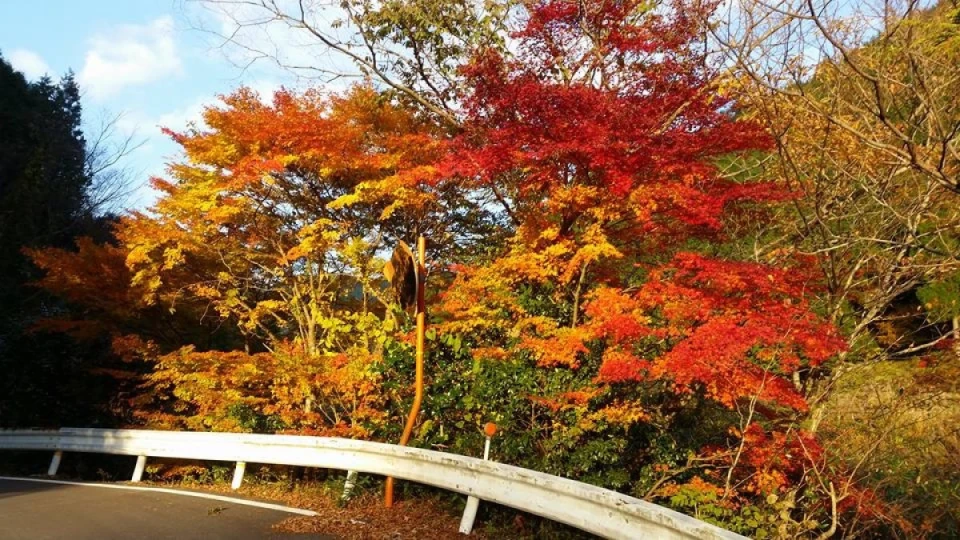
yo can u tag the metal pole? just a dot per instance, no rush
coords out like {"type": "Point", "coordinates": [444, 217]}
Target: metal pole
{"type": "Point", "coordinates": [473, 503]}
{"type": "Point", "coordinates": [138, 470]}
{"type": "Point", "coordinates": [348, 486]}
{"type": "Point", "coordinates": [54, 463]}
{"type": "Point", "coordinates": [238, 475]}
{"type": "Point", "coordinates": [421, 333]}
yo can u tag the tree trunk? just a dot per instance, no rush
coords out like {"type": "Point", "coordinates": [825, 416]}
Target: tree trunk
{"type": "Point", "coordinates": [956, 335]}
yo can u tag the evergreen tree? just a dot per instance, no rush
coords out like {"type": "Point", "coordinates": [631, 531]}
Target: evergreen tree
{"type": "Point", "coordinates": [43, 202]}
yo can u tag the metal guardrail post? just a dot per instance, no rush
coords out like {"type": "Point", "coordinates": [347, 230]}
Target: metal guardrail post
{"type": "Point", "coordinates": [238, 474]}
{"type": "Point", "coordinates": [54, 463]}
{"type": "Point", "coordinates": [138, 470]}
{"type": "Point", "coordinates": [348, 486]}
{"type": "Point", "coordinates": [473, 503]}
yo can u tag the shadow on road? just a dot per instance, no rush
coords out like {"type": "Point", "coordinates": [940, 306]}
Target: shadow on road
{"type": "Point", "coordinates": [39, 510]}
{"type": "Point", "coordinates": [14, 489]}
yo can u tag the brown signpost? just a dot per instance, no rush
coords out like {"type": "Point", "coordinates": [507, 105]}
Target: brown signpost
{"type": "Point", "coordinates": [402, 273]}
{"type": "Point", "coordinates": [399, 271]}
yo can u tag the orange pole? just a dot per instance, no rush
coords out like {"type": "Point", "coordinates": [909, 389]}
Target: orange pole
{"type": "Point", "coordinates": [421, 336]}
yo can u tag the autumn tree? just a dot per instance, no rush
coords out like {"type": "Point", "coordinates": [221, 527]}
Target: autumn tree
{"type": "Point", "coordinates": [862, 106]}
{"type": "Point", "coordinates": [271, 225]}
{"type": "Point", "coordinates": [600, 138]}
{"type": "Point", "coordinates": [861, 101]}
{"type": "Point", "coordinates": [594, 131]}
{"type": "Point", "coordinates": [288, 202]}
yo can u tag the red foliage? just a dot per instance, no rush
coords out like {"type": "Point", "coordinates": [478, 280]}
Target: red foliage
{"type": "Point", "coordinates": [647, 132]}
{"type": "Point", "coordinates": [603, 131]}
{"type": "Point", "coordinates": [739, 329]}
{"type": "Point", "coordinates": [621, 366]}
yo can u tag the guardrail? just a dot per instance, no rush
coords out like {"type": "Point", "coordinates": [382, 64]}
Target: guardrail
{"type": "Point", "coordinates": [593, 509]}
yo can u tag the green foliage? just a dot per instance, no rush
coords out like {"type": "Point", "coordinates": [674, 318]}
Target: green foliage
{"type": "Point", "coordinates": [941, 298]}
{"type": "Point", "coordinates": [253, 421]}
{"type": "Point", "coordinates": [439, 36]}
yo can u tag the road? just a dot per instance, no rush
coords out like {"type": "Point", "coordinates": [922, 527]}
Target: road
{"type": "Point", "coordinates": [33, 510]}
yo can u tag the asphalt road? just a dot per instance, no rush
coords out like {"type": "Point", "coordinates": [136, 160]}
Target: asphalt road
{"type": "Point", "coordinates": [34, 511]}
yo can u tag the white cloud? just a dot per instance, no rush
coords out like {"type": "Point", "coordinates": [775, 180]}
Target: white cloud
{"type": "Point", "coordinates": [130, 55]}
{"type": "Point", "coordinates": [28, 62]}
{"type": "Point", "coordinates": [146, 126]}
{"type": "Point", "coordinates": [179, 119]}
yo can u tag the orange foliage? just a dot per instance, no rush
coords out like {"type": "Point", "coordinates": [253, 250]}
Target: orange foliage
{"type": "Point", "coordinates": [94, 276]}
{"type": "Point", "coordinates": [269, 227]}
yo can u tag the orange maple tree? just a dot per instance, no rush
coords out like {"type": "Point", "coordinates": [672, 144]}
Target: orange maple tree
{"type": "Point", "coordinates": [274, 221]}
{"type": "Point", "coordinates": [270, 226]}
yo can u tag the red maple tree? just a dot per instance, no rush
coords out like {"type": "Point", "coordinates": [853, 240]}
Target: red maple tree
{"type": "Point", "coordinates": [600, 138]}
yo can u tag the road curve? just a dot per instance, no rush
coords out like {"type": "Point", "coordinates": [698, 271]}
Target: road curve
{"type": "Point", "coordinates": [31, 509]}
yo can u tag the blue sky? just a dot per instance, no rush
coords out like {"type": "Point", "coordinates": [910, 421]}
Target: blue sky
{"type": "Point", "coordinates": [143, 59]}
